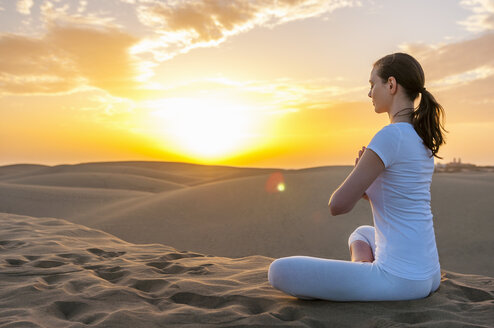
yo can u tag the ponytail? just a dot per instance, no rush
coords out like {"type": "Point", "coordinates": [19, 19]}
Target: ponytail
{"type": "Point", "coordinates": [428, 118]}
{"type": "Point", "coordinates": [427, 121]}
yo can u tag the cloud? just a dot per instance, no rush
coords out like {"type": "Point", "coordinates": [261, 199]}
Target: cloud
{"type": "Point", "coordinates": [24, 6]}
{"type": "Point", "coordinates": [29, 65]}
{"type": "Point", "coordinates": [447, 60]}
{"type": "Point", "coordinates": [67, 57]}
{"type": "Point", "coordinates": [460, 75]}
{"type": "Point", "coordinates": [273, 96]}
{"type": "Point", "coordinates": [101, 56]}
{"type": "Point", "coordinates": [82, 6]}
{"type": "Point", "coordinates": [469, 102]}
{"type": "Point", "coordinates": [483, 17]}
{"type": "Point", "coordinates": [51, 12]}
{"type": "Point", "coordinates": [81, 48]}
{"type": "Point", "coordinates": [181, 26]}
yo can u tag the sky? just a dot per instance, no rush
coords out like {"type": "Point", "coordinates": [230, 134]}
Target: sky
{"type": "Point", "coordinates": [259, 83]}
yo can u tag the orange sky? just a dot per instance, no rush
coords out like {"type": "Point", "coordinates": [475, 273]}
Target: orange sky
{"type": "Point", "coordinates": [260, 83]}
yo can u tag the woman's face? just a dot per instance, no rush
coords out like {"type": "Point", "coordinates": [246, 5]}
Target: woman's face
{"type": "Point", "coordinates": [379, 93]}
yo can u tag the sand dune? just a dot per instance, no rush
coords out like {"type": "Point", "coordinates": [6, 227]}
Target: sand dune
{"type": "Point", "coordinates": [98, 180]}
{"type": "Point", "coordinates": [182, 173]}
{"type": "Point", "coordinates": [19, 169]}
{"type": "Point", "coordinates": [58, 274]}
{"type": "Point", "coordinates": [102, 168]}
{"type": "Point", "coordinates": [227, 211]}
{"type": "Point", "coordinates": [199, 241]}
{"type": "Point", "coordinates": [57, 201]}
{"type": "Point", "coordinates": [236, 211]}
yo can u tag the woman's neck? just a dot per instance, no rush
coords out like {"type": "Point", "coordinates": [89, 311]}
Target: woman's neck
{"type": "Point", "coordinates": [401, 113]}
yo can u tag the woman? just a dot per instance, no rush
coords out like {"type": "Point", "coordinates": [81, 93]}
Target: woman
{"type": "Point", "coordinates": [397, 258]}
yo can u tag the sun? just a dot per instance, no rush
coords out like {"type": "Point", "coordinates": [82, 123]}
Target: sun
{"type": "Point", "coordinates": [204, 127]}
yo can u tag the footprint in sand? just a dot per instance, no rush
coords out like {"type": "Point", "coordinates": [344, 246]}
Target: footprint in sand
{"type": "Point", "coordinates": [11, 244]}
{"type": "Point", "coordinates": [15, 262]}
{"type": "Point", "coordinates": [47, 264]}
{"type": "Point", "coordinates": [168, 267]}
{"type": "Point", "coordinates": [105, 254]}
{"type": "Point", "coordinates": [69, 310]}
{"type": "Point", "coordinates": [149, 285]}
{"type": "Point", "coordinates": [473, 294]}
{"type": "Point", "coordinates": [32, 257]}
{"type": "Point", "coordinates": [75, 258]}
{"type": "Point", "coordinates": [111, 274]}
{"type": "Point", "coordinates": [251, 305]}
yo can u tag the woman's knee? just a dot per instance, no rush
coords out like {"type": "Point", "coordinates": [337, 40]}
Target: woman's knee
{"type": "Point", "coordinates": [273, 271]}
{"type": "Point", "coordinates": [277, 272]}
{"type": "Point", "coordinates": [364, 233]}
{"type": "Point", "coordinates": [365, 230]}
{"type": "Point", "coordinates": [283, 274]}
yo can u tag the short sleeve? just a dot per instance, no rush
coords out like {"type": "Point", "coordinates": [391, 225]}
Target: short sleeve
{"type": "Point", "coordinates": [386, 144]}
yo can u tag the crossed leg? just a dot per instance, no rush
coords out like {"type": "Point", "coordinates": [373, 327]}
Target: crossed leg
{"type": "Point", "coordinates": [360, 251]}
{"type": "Point", "coordinates": [362, 244]}
{"type": "Point", "coordinates": [317, 278]}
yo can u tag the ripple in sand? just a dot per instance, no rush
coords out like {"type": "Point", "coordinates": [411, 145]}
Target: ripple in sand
{"type": "Point", "coordinates": [94, 279]}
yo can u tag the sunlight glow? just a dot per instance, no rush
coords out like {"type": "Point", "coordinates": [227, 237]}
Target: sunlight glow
{"type": "Point", "coordinates": [203, 127]}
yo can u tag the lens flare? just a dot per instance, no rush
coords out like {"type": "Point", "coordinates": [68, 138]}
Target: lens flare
{"type": "Point", "coordinates": [275, 183]}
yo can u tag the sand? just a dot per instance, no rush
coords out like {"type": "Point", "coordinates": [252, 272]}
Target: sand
{"type": "Point", "coordinates": [208, 209]}
{"type": "Point", "coordinates": [154, 244]}
{"type": "Point", "coordinates": [58, 274]}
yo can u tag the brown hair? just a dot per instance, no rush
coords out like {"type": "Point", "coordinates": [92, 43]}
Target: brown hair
{"type": "Point", "coordinates": [428, 118]}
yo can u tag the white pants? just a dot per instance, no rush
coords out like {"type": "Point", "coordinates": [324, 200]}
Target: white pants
{"type": "Point", "coordinates": [307, 277]}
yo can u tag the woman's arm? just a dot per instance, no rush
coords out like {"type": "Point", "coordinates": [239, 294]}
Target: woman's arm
{"type": "Point", "coordinates": [368, 168]}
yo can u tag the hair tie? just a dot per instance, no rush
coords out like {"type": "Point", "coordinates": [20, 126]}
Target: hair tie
{"type": "Point", "coordinates": [422, 90]}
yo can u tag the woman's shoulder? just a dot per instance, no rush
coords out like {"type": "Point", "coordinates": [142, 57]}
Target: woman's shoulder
{"type": "Point", "coordinates": [391, 129]}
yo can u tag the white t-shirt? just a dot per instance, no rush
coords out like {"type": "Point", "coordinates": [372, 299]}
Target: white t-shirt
{"type": "Point", "coordinates": [400, 200]}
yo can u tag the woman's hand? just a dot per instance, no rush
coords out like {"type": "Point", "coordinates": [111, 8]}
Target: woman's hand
{"type": "Point", "coordinates": [360, 153]}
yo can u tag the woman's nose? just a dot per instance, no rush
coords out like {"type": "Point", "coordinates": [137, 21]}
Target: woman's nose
{"type": "Point", "coordinates": [369, 94]}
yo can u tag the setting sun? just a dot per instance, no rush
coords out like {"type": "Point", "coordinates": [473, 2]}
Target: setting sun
{"type": "Point", "coordinates": [206, 128]}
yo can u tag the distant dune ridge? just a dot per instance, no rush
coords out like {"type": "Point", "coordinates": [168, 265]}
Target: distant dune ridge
{"type": "Point", "coordinates": [222, 227]}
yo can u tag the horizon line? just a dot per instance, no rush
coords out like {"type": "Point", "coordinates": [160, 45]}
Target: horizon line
{"type": "Point", "coordinates": [201, 164]}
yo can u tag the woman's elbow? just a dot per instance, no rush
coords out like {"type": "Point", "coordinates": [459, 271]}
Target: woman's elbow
{"type": "Point", "coordinates": [335, 210]}
{"type": "Point", "coordinates": [337, 207]}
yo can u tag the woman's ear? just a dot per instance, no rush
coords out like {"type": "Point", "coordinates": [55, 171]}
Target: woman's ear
{"type": "Point", "coordinates": [392, 85]}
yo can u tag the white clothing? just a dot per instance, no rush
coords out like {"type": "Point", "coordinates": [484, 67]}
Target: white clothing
{"type": "Point", "coordinates": [406, 264]}
{"type": "Point", "coordinates": [400, 200]}
{"type": "Point", "coordinates": [307, 277]}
